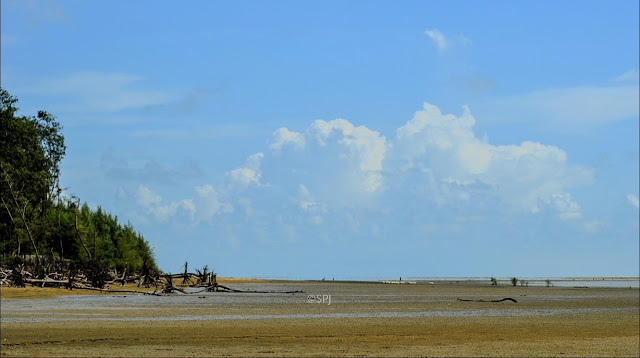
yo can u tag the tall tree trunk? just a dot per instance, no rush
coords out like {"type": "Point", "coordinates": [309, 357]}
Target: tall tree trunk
{"type": "Point", "coordinates": [75, 213]}
{"type": "Point", "coordinates": [60, 227]}
{"type": "Point", "coordinates": [22, 215]}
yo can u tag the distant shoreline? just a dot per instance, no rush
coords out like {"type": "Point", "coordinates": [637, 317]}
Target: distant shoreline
{"type": "Point", "coordinates": [586, 281]}
{"type": "Point", "coordinates": [427, 278]}
{"type": "Point", "coordinates": [560, 282]}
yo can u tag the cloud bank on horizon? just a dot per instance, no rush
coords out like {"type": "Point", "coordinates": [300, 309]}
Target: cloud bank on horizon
{"type": "Point", "coordinates": [435, 158]}
{"type": "Point", "coordinates": [340, 183]}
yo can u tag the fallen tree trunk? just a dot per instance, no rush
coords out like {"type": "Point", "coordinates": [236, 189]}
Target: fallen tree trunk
{"type": "Point", "coordinates": [502, 300]}
{"type": "Point", "coordinates": [115, 291]}
{"type": "Point", "coordinates": [45, 282]}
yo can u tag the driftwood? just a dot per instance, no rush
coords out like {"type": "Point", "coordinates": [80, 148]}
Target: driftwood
{"type": "Point", "coordinates": [121, 280]}
{"type": "Point", "coordinates": [116, 291]}
{"type": "Point", "coordinates": [222, 288]}
{"type": "Point", "coordinates": [45, 282]}
{"type": "Point", "coordinates": [502, 300]}
{"type": "Point", "coordinates": [146, 279]}
{"type": "Point", "coordinates": [169, 287]}
{"type": "Point", "coordinates": [96, 276]}
{"type": "Point", "coordinates": [297, 291]}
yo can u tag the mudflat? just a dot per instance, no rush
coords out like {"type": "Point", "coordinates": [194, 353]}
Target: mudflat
{"type": "Point", "coordinates": [328, 319]}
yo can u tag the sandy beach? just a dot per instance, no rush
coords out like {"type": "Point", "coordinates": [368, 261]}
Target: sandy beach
{"type": "Point", "coordinates": [328, 319]}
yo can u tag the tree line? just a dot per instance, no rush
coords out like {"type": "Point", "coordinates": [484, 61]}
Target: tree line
{"type": "Point", "coordinates": [40, 224]}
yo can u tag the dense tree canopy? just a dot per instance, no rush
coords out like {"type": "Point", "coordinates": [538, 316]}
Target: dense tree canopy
{"type": "Point", "coordinates": [36, 220]}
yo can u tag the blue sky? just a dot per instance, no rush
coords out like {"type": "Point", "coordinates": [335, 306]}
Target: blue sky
{"type": "Point", "coordinates": [310, 139]}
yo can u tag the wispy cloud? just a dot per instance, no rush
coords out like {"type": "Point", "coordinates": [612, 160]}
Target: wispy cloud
{"type": "Point", "coordinates": [99, 92]}
{"type": "Point", "coordinates": [477, 82]}
{"type": "Point", "coordinates": [633, 200]}
{"type": "Point", "coordinates": [571, 108]}
{"type": "Point", "coordinates": [438, 38]}
{"type": "Point", "coordinates": [120, 169]}
{"type": "Point", "coordinates": [594, 226]}
{"type": "Point", "coordinates": [629, 76]}
{"type": "Point", "coordinates": [202, 132]}
{"type": "Point", "coordinates": [443, 43]}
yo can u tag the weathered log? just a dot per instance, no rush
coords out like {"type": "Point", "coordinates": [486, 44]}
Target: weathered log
{"type": "Point", "coordinates": [502, 300]}
{"type": "Point", "coordinates": [43, 282]}
{"type": "Point", "coordinates": [217, 287]}
{"type": "Point", "coordinates": [115, 291]}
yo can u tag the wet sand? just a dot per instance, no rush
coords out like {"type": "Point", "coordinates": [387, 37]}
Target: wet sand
{"type": "Point", "coordinates": [362, 319]}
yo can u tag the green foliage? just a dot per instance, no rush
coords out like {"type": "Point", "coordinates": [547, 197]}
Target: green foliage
{"type": "Point", "coordinates": [548, 282]}
{"type": "Point", "coordinates": [34, 217]}
{"type": "Point", "coordinates": [31, 149]}
{"type": "Point", "coordinates": [514, 281]}
{"type": "Point", "coordinates": [494, 281]}
{"type": "Point", "coordinates": [110, 243]}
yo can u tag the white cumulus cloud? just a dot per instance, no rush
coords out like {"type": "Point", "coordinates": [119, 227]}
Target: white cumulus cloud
{"type": "Point", "coordinates": [284, 136]}
{"type": "Point", "coordinates": [566, 208]}
{"type": "Point", "coordinates": [152, 203]}
{"type": "Point", "coordinates": [250, 173]}
{"type": "Point", "coordinates": [366, 148]}
{"type": "Point", "coordinates": [437, 150]}
{"type": "Point", "coordinates": [204, 207]}
{"type": "Point", "coordinates": [336, 171]}
{"type": "Point", "coordinates": [209, 203]}
{"type": "Point", "coordinates": [435, 158]}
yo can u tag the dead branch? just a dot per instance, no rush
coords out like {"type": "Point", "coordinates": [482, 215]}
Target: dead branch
{"type": "Point", "coordinates": [22, 215]}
